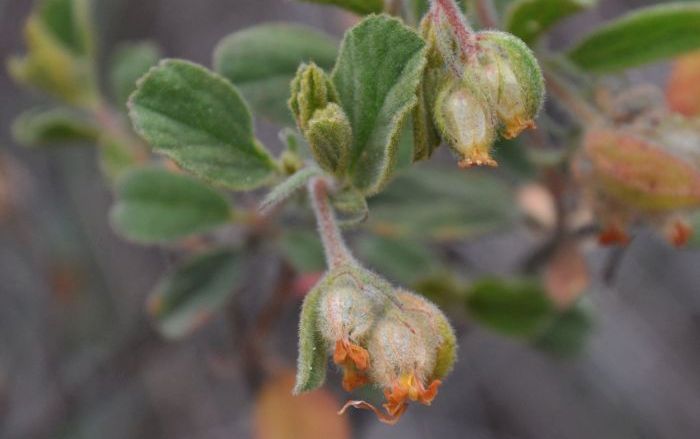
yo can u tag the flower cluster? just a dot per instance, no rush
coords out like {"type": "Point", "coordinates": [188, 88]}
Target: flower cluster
{"type": "Point", "coordinates": [382, 336]}
{"type": "Point", "coordinates": [487, 84]}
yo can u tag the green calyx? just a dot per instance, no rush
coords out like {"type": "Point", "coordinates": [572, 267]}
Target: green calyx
{"type": "Point", "coordinates": [330, 138]}
{"type": "Point", "coordinates": [312, 90]}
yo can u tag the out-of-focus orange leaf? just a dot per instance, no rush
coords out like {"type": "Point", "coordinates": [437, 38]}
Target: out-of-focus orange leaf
{"type": "Point", "coordinates": [280, 415]}
{"type": "Point", "coordinates": [566, 277]}
{"type": "Point", "coordinates": [538, 204]}
{"type": "Point", "coordinates": [683, 88]}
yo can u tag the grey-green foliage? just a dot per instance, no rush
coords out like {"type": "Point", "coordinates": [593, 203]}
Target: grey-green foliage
{"type": "Point", "coordinates": [262, 60]}
{"type": "Point", "coordinates": [287, 188]}
{"type": "Point", "coordinates": [313, 350]}
{"type": "Point", "coordinates": [640, 37]}
{"type": "Point", "coordinates": [52, 126]}
{"type": "Point", "coordinates": [130, 62]}
{"type": "Point", "coordinates": [428, 203]}
{"type": "Point", "coordinates": [188, 296]}
{"type": "Point", "coordinates": [388, 59]}
{"type": "Point", "coordinates": [199, 119]}
{"type": "Point", "coordinates": [517, 308]}
{"type": "Point", "coordinates": [154, 205]}
{"type": "Point", "coordinates": [362, 7]}
{"type": "Point", "coordinates": [530, 19]}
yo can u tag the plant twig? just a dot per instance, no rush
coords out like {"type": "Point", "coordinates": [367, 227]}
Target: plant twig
{"type": "Point", "coordinates": [574, 103]}
{"type": "Point", "coordinates": [337, 253]}
{"type": "Point", "coordinates": [460, 27]}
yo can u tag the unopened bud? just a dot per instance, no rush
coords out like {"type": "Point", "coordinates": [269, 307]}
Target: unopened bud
{"type": "Point", "coordinates": [467, 123]}
{"type": "Point", "coordinates": [640, 173]}
{"type": "Point", "coordinates": [330, 138]}
{"type": "Point", "coordinates": [515, 81]}
{"type": "Point", "coordinates": [311, 90]}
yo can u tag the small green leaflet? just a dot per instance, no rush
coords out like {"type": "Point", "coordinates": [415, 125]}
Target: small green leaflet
{"type": "Point", "coordinates": [262, 60]}
{"type": "Point", "coordinates": [362, 7]}
{"type": "Point", "coordinates": [197, 118]}
{"type": "Point", "coordinates": [48, 127]}
{"type": "Point", "coordinates": [187, 297]}
{"type": "Point", "coordinates": [529, 19]}
{"type": "Point", "coordinates": [647, 35]}
{"type": "Point", "coordinates": [154, 205]}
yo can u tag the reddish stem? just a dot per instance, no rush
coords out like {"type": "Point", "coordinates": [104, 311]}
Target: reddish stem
{"type": "Point", "coordinates": [462, 31]}
{"type": "Point", "coordinates": [337, 253]}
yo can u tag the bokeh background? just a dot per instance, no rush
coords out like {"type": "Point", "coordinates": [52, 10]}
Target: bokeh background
{"type": "Point", "coordinates": [79, 359]}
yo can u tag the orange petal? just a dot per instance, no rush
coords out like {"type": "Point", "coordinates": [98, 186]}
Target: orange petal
{"type": "Point", "coordinates": [350, 354]}
{"type": "Point", "coordinates": [613, 235]}
{"type": "Point", "coordinates": [364, 405]}
{"type": "Point", "coordinates": [427, 395]}
{"type": "Point", "coordinates": [352, 379]}
{"type": "Point", "coordinates": [680, 233]}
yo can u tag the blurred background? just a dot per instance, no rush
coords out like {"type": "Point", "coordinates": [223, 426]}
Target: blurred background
{"type": "Point", "coordinates": [79, 358]}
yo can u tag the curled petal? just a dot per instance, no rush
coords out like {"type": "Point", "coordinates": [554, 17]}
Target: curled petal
{"type": "Point", "coordinates": [390, 419]}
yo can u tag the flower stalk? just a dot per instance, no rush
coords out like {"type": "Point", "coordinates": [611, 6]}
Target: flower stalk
{"type": "Point", "coordinates": [337, 253]}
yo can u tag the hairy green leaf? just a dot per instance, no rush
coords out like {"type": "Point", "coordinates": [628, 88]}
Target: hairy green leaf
{"type": "Point", "coordinates": [48, 127]}
{"type": "Point", "coordinates": [517, 308]}
{"type": "Point", "coordinates": [130, 62]}
{"type": "Point", "coordinates": [361, 7]}
{"type": "Point", "coordinates": [154, 205]}
{"type": "Point", "coordinates": [387, 59]}
{"type": "Point", "coordinates": [529, 19]}
{"type": "Point", "coordinates": [311, 364]}
{"type": "Point", "coordinates": [287, 188]}
{"type": "Point", "coordinates": [438, 204]}
{"type": "Point", "coordinates": [651, 34]}
{"type": "Point", "coordinates": [262, 60]}
{"type": "Point", "coordinates": [194, 291]}
{"type": "Point", "coordinates": [198, 119]}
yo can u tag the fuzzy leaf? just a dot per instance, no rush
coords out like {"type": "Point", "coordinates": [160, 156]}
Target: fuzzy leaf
{"type": "Point", "coordinates": [529, 19]}
{"type": "Point", "coordinates": [154, 205]}
{"type": "Point", "coordinates": [387, 58]}
{"type": "Point", "coordinates": [567, 332]}
{"type": "Point", "coordinates": [129, 63]}
{"type": "Point", "coordinates": [198, 119]}
{"type": "Point", "coordinates": [262, 60]}
{"type": "Point", "coordinates": [313, 352]}
{"type": "Point", "coordinates": [401, 260]}
{"type": "Point", "coordinates": [362, 7]}
{"type": "Point", "coordinates": [281, 193]}
{"type": "Point", "coordinates": [48, 127]}
{"type": "Point", "coordinates": [651, 34]}
{"type": "Point", "coordinates": [439, 204]}
{"type": "Point", "coordinates": [59, 60]}
{"type": "Point", "coordinates": [187, 297]}
{"type": "Point", "coordinates": [517, 308]}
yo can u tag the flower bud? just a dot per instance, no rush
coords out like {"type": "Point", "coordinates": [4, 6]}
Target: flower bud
{"type": "Point", "coordinates": [412, 348]}
{"type": "Point", "coordinates": [516, 86]}
{"type": "Point", "coordinates": [683, 89]}
{"type": "Point", "coordinates": [630, 179]}
{"type": "Point", "coordinates": [466, 122]}
{"type": "Point", "coordinates": [311, 90]}
{"type": "Point", "coordinates": [330, 137]}
{"type": "Point", "coordinates": [640, 173]}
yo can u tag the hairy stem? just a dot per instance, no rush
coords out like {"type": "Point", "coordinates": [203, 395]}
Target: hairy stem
{"type": "Point", "coordinates": [336, 251]}
{"type": "Point", "coordinates": [463, 33]}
